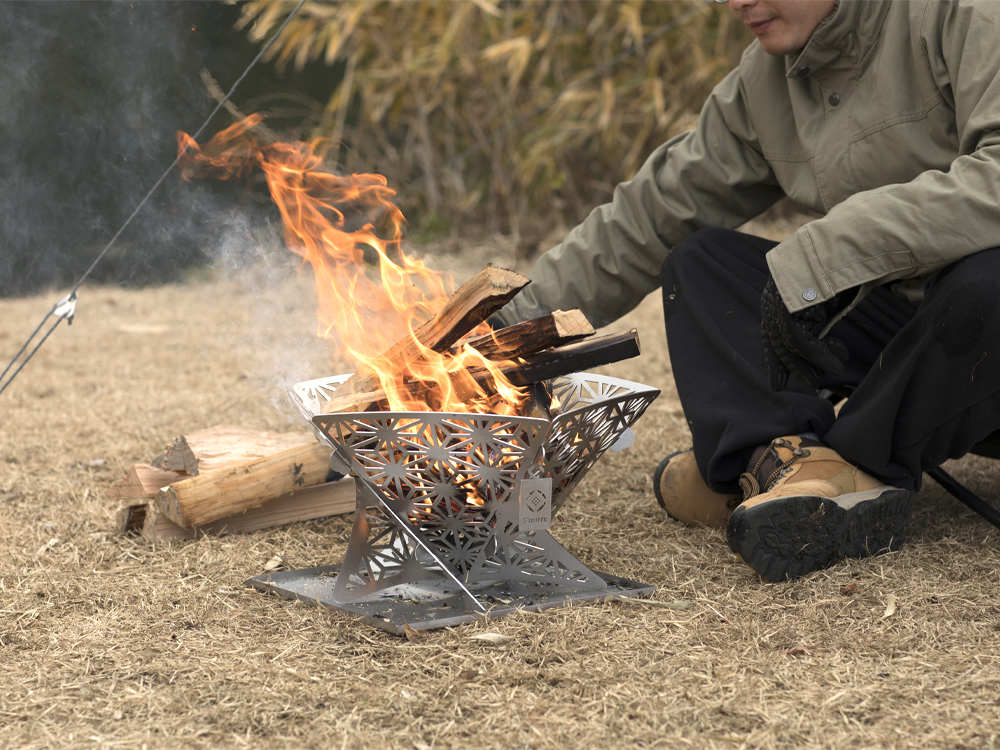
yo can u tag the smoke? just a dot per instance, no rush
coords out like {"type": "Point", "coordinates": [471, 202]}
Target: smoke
{"type": "Point", "coordinates": [277, 345]}
{"type": "Point", "coordinates": [92, 96]}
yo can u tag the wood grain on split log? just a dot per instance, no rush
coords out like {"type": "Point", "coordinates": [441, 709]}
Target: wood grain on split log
{"type": "Point", "coordinates": [213, 495]}
{"type": "Point", "coordinates": [470, 305]}
{"type": "Point", "coordinates": [318, 501]}
{"type": "Point", "coordinates": [142, 482]}
{"type": "Point", "coordinates": [556, 329]}
{"type": "Point", "coordinates": [546, 365]}
{"type": "Point", "coordinates": [223, 446]}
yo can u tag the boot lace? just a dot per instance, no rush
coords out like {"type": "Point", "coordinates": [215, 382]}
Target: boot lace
{"type": "Point", "coordinates": [749, 481]}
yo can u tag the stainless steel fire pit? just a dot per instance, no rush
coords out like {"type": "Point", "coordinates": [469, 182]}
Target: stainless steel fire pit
{"type": "Point", "coordinates": [453, 509]}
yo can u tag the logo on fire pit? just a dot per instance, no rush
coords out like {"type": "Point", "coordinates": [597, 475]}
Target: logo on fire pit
{"type": "Point", "coordinates": [536, 505]}
{"type": "Point", "coordinates": [537, 500]}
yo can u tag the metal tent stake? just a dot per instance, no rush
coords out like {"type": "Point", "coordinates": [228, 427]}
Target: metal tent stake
{"type": "Point", "coordinates": [453, 509]}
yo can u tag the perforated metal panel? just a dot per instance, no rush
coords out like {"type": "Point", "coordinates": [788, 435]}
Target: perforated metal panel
{"type": "Point", "coordinates": [439, 493]}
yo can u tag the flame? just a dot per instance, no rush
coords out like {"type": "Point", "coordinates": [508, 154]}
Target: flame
{"type": "Point", "coordinates": [370, 294]}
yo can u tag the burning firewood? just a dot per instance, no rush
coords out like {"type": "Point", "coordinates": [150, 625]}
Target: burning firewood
{"type": "Point", "coordinates": [470, 305]}
{"type": "Point", "coordinates": [514, 350]}
{"type": "Point", "coordinates": [552, 363]}
{"type": "Point", "coordinates": [565, 360]}
{"type": "Point", "coordinates": [556, 329]}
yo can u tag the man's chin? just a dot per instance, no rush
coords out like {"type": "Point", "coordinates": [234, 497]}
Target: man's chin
{"type": "Point", "coordinates": [779, 47]}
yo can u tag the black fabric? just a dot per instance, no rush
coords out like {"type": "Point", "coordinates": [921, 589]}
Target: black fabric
{"type": "Point", "coordinates": [791, 342]}
{"type": "Point", "coordinates": [927, 377]}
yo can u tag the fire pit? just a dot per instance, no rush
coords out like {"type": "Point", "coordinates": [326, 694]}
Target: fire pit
{"type": "Point", "coordinates": [453, 509]}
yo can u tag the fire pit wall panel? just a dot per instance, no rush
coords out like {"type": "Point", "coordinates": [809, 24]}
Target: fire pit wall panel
{"type": "Point", "coordinates": [438, 493]}
{"type": "Point", "coordinates": [594, 413]}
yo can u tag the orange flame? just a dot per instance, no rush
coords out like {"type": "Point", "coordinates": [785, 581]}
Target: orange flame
{"type": "Point", "coordinates": [364, 305]}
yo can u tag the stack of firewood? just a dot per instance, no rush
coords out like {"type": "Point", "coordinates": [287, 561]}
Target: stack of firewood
{"type": "Point", "coordinates": [230, 479]}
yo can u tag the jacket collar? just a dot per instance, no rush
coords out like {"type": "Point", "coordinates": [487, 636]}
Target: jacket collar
{"type": "Point", "coordinates": [850, 31]}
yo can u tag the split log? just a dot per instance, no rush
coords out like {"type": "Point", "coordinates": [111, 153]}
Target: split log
{"type": "Point", "coordinates": [546, 365]}
{"type": "Point", "coordinates": [224, 446]}
{"type": "Point", "coordinates": [556, 329]}
{"type": "Point", "coordinates": [470, 305]}
{"type": "Point", "coordinates": [142, 482]}
{"type": "Point", "coordinates": [578, 357]}
{"type": "Point", "coordinates": [318, 501]}
{"type": "Point", "coordinates": [210, 496]}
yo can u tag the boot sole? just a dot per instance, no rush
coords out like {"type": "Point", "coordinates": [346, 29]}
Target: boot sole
{"type": "Point", "coordinates": [790, 537]}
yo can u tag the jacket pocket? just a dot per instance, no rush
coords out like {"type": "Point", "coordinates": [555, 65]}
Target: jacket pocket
{"type": "Point", "coordinates": [898, 149]}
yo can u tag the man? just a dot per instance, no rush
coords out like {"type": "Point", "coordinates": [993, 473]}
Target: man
{"type": "Point", "coordinates": [885, 118]}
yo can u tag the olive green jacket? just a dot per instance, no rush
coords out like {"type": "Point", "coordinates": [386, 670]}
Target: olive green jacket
{"type": "Point", "coordinates": [887, 123]}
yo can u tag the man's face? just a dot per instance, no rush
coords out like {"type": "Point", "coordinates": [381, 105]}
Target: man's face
{"type": "Point", "coordinates": [782, 26]}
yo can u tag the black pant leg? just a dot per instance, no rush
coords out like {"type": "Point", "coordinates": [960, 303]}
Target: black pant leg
{"type": "Point", "coordinates": [712, 284]}
{"type": "Point", "coordinates": [935, 390]}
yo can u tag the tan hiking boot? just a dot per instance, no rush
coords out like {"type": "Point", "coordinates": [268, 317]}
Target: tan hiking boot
{"type": "Point", "coordinates": [681, 491]}
{"type": "Point", "coordinates": [805, 508]}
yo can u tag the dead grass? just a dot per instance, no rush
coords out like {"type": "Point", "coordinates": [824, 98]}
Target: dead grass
{"type": "Point", "coordinates": [107, 642]}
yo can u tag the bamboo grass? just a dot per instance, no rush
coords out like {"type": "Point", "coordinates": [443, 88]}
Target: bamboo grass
{"type": "Point", "coordinates": [426, 80]}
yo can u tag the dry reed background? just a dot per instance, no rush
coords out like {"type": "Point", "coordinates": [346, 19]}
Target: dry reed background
{"type": "Point", "coordinates": [424, 81]}
{"type": "Point", "coordinates": [107, 642]}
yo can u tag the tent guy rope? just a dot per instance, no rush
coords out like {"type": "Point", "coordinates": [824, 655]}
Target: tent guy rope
{"type": "Point", "coordinates": [65, 308]}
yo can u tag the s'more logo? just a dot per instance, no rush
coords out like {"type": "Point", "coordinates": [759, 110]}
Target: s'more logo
{"type": "Point", "coordinates": [535, 505]}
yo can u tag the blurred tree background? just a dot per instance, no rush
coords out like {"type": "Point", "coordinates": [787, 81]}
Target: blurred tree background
{"type": "Point", "coordinates": [94, 93]}
{"type": "Point", "coordinates": [421, 83]}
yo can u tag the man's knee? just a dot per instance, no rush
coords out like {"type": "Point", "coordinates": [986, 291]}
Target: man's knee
{"type": "Point", "coordinates": [714, 263]}
{"type": "Point", "coordinates": [707, 250]}
{"type": "Point", "coordinates": [683, 262]}
{"type": "Point", "coordinates": [962, 299]}
{"type": "Point", "coordinates": [979, 268]}
{"type": "Point", "coordinates": [691, 252]}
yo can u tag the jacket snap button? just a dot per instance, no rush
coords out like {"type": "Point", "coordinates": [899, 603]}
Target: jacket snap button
{"type": "Point", "coordinates": [834, 100]}
{"type": "Point", "coordinates": [802, 72]}
{"type": "Point", "coordinates": [809, 294]}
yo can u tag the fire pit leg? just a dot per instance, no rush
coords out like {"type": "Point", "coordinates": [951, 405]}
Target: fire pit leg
{"type": "Point", "coordinates": [384, 552]}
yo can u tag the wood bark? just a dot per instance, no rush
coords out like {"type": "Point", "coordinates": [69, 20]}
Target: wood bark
{"type": "Point", "coordinates": [210, 496]}
{"type": "Point", "coordinates": [223, 446]}
{"type": "Point", "coordinates": [556, 329]}
{"type": "Point", "coordinates": [552, 363]}
{"type": "Point", "coordinates": [470, 305]}
{"type": "Point", "coordinates": [318, 501]}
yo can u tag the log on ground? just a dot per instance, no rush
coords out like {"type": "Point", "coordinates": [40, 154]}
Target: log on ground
{"type": "Point", "coordinates": [318, 501]}
{"type": "Point", "coordinates": [223, 446]}
{"type": "Point", "coordinates": [142, 482]}
{"type": "Point", "coordinates": [213, 495]}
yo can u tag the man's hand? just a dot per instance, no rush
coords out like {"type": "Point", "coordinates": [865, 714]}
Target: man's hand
{"type": "Point", "coordinates": [790, 346]}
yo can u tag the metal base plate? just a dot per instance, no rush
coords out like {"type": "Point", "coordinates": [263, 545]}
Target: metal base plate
{"type": "Point", "coordinates": [427, 605]}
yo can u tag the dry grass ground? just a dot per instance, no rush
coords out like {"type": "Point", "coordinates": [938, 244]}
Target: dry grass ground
{"type": "Point", "coordinates": [107, 642]}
